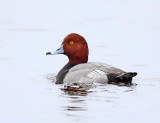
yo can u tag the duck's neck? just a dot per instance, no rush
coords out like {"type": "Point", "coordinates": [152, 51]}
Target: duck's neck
{"type": "Point", "coordinates": [79, 60]}
{"type": "Point", "coordinates": [72, 62]}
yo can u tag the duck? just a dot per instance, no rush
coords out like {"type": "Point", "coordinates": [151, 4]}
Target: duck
{"type": "Point", "coordinates": [79, 70]}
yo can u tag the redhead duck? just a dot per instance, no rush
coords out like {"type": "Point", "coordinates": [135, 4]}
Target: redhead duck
{"type": "Point", "coordinates": [78, 69]}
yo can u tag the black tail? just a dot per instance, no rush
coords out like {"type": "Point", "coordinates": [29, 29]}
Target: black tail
{"type": "Point", "coordinates": [126, 77]}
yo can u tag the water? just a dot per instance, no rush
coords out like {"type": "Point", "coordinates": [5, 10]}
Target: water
{"type": "Point", "coordinates": [122, 33]}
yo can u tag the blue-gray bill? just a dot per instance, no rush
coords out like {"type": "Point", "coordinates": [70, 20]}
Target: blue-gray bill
{"type": "Point", "coordinates": [58, 51]}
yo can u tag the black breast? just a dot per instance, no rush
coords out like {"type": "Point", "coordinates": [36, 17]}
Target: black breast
{"type": "Point", "coordinates": [62, 73]}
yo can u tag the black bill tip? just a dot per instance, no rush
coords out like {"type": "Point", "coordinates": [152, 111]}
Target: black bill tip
{"type": "Point", "coordinates": [48, 53]}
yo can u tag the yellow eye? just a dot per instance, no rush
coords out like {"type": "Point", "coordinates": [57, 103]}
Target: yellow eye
{"type": "Point", "coordinates": [71, 42]}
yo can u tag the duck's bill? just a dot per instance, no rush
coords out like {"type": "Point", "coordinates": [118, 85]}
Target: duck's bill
{"type": "Point", "coordinates": [58, 51]}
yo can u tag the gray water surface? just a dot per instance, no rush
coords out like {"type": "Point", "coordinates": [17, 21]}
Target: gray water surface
{"type": "Point", "coordinates": [125, 34]}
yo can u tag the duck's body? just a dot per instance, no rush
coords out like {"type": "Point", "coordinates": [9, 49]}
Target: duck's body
{"type": "Point", "coordinates": [91, 72]}
{"type": "Point", "coordinates": [78, 70]}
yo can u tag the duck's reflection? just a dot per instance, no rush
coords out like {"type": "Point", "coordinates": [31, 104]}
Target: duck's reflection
{"type": "Point", "coordinates": [77, 89]}
{"type": "Point", "coordinates": [73, 92]}
{"type": "Point", "coordinates": [77, 94]}
{"type": "Point", "coordinates": [75, 108]}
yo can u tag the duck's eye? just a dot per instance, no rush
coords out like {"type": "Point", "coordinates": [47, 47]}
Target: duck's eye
{"type": "Point", "coordinates": [71, 42]}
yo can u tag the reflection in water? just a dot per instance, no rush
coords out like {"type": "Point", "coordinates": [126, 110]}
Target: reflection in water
{"type": "Point", "coordinates": [76, 102]}
{"type": "Point", "coordinates": [78, 89]}
{"type": "Point", "coordinates": [74, 108]}
{"type": "Point", "coordinates": [79, 96]}
{"type": "Point", "coordinates": [75, 92]}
